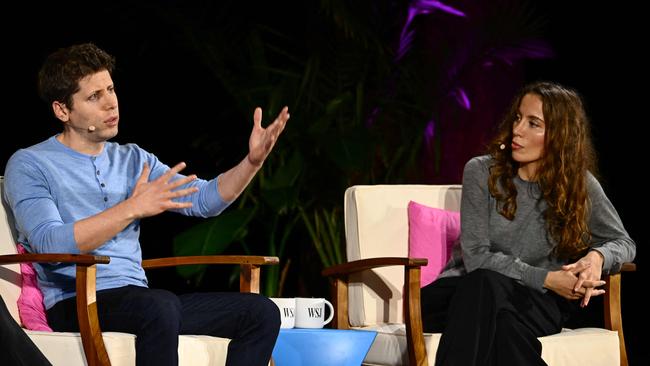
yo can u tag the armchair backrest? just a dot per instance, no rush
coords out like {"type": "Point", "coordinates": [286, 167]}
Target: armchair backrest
{"type": "Point", "coordinates": [376, 225]}
{"type": "Point", "coordinates": [9, 273]}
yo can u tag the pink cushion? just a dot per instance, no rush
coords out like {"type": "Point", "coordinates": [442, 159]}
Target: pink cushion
{"type": "Point", "coordinates": [30, 301]}
{"type": "Point", "coordinates": [432, 234]}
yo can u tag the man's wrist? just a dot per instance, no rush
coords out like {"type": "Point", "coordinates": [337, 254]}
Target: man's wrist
{"type": "Point", "coordinates": [253, 163]}
{"type": "Point", "coordinates": [129, 210]}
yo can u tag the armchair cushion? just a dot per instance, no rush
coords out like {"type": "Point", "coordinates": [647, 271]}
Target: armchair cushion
{"type": "Point", "coordinates": [432, 234]}
{"type": "Point", "coordinates": [584, 346]}
{"type": "Point", "coordinates": [30, 301]}
{"type": "Point", "coordinates": [65, 348]}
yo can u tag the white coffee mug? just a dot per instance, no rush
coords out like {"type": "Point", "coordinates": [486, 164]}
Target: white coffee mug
{"type": "Point", "coordinates": [287, 306]}
{"type": "Point", "coordinates": [310, 312]}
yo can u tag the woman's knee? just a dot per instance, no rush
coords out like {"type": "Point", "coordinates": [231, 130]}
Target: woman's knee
{"type": "Point", "coordinates": [505, 323]}
{"type": "Point", "coordinates": [485, 277]}
{"type": "Point", "coordinates": [485, 283]}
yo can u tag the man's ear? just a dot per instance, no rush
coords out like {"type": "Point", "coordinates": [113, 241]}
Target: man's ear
{"type": "Point", "coordinates": [61, 111]}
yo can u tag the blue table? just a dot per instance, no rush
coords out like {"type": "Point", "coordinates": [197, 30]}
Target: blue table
{"type": "Point", "coordinates": [322, 347]}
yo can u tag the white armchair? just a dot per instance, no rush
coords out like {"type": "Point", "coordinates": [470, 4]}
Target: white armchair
{"type": "Point", "coordinates": [379, 288]}
{"type": "Point", "coordinates": [91, 346]}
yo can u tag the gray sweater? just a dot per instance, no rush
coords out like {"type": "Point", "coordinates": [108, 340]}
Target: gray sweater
{"type": "Point", "coordinates": [521, 248]}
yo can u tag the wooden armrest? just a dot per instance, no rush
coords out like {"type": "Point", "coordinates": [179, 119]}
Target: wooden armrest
{"type": "Point", "coordinates": [249, 277]}
{"type": "Point", "coordinates": [86, 269]}
{"type": "Point", "coordinates": [628, 267]}
{"type": "Point", "coordinates": [345, 269]}
{"type": "Point", "coordinates": [80, 259]}
{"type": "Point", "coordinates": [209, 259]}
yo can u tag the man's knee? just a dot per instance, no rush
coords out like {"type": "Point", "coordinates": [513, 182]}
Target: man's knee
{"type": "Point", "coordinates": [267, 311]}
{"type": "Point", "coordinates": [160, 308]}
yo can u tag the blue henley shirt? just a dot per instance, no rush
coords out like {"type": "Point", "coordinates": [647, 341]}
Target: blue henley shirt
{"type": "Point", "coordinates": [50, 186]}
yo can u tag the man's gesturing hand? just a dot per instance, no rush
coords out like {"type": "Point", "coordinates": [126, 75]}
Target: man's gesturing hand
{"type": "Point", "coordinates": [262, 139]}
{"type": "Point", "coordinates": [152, 198]}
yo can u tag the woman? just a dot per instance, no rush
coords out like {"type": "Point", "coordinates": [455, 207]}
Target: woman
{"type": "Point", "coordinates": [537, 232]}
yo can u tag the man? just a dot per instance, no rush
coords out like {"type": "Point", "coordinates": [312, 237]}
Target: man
{"type": "Point", "coordinates": [78, 193]}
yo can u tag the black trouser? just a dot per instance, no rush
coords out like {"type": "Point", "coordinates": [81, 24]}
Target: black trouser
{"type": "Point", "coordinates": [15, 346]}
{"type": "Point", "coordinates": [487, 318]}
{"type": "Point", "coordinates": [157, 317]}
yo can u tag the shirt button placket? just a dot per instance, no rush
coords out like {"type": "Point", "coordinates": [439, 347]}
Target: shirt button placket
{"type": "Point", "coordinates": [102, 185]}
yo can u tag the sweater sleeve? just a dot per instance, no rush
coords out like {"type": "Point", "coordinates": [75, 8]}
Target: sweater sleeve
{"type": "Point", "coordinates": [608, 236]}
{"type": "Point", "coordinates": [475, 231]}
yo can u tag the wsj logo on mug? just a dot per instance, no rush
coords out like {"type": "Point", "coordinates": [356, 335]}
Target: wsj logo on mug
{"type": "Point", "coordinates": [287, 308]}
{"type": "Point", "coordinates": [310, 312]}
{"type": "Point", "coordinates": [315, 312]}
{"type": "Point", "coordinates": [288, 312]}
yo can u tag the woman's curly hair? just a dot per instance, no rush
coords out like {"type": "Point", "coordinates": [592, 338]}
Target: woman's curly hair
{"type": "Point", "coordinates": [567, 158]}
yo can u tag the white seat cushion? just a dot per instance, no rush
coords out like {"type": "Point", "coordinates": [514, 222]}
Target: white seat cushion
{"type": "Point", "coordinates": [66, 349]}
{"type": "Point", "coordinates": [584, 346]}
{"type": "Point", "coordinates": [202, 350]}
{"type": "Point", "coordinates": [63, 348]}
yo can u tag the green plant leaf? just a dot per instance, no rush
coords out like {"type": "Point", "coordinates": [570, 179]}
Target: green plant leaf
{"type": "Point", "coordinates": [279, 191]}
{"type": "Point", "coordinates": [211, 237]}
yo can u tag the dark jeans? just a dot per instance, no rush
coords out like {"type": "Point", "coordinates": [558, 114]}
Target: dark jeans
{"type": "Point", "coordinates": [487, 318]}
{"type": "Point", "coordinates": [15, 346]}
{"type": "Point", "coordinates": [157, 317]}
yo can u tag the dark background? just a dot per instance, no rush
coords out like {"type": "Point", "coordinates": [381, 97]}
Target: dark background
{"type": "Point", "coordinates": [167, 99]}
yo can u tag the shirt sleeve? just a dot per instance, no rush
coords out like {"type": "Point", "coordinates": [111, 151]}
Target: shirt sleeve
{"type": "Point", "coordinates": [37, 217]}
{"type": "Point", "coordinates": [608, 236]}
{"type": "Point", "coordinates": [475, 232]}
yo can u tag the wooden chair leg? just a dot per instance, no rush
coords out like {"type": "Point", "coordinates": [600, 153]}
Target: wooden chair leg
{"type": "Point", "coordinates": [413, 318]}
{"type": "Point", "coordinates": [91, 334]}
{"type": "Point", "coordinates": [340, 301]}
{"type": "Point", "coordinates": [612, 309]}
